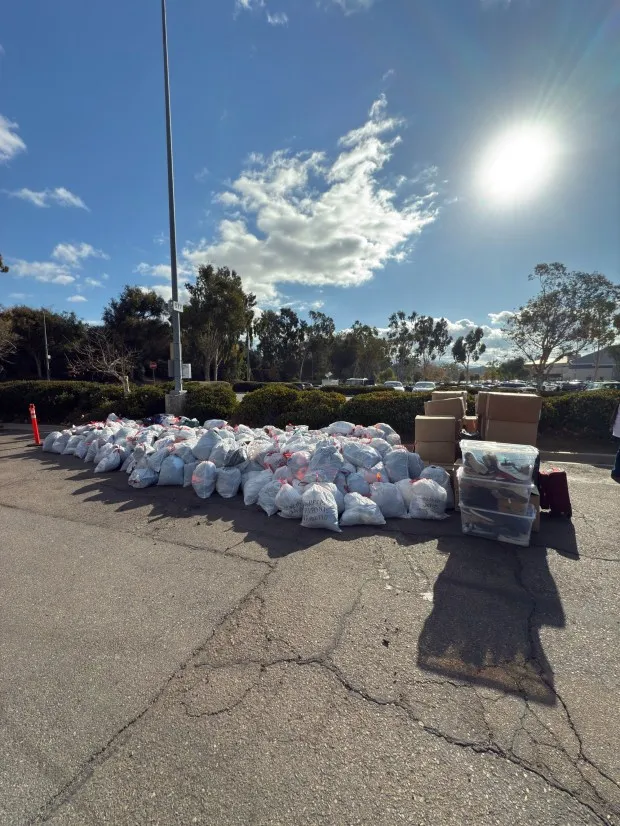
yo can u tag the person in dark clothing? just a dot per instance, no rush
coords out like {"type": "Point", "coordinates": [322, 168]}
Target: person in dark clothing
{"type": "Point", "coordinates": [615, 431]}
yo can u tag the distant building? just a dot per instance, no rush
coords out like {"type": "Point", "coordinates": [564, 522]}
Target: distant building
{"type": "Point", "coordinates": [582, 368]}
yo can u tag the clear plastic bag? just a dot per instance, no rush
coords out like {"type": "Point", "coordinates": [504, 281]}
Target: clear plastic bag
{"type": "Point", "coordinates": [416, 465]}
{"type": "Point", "coordinates": [343, 428]}
{"type": "Point", "coordinates": [442, 477]}
{"type": "Point", "coordinates": [72, 443]}
{"type": "Point", "coordinates": [428, 500]}
{"type": "Point", "coordinates": [203, 447]}
{"type": "Point", "coordinates": [361, 455]}
{"type": "Point", "coordinates": [289, 502]}
{"type": "Point", "coordinates": [111, 461]}
{"type": "Point", "coordinates": [188, 472]}
{"type": "Point", "coordinates": [357, 483]}
{"type": "Point", "coordinates": [396, 461]}
{"type": "Point", "coordinates": [325, 463]}
{"type": "Point", "coordinates": [389, 499]}
{"type": "Point", "coordinates": [267, 497]}
{"type": "Point", "coordinates": [253, 484]}
{"type": "Point", "coordinates": [142, 478]}
{"type": "Point", "coordinates": [360, 510]}
{"type": "Point", "coordinates": [228, 482]}
{"type": "Point", "coordinates": [171, 471]}
{"type": "Point", "coordinates": [320, 509]}
{"type": "Point", "coordinates": [203, 479]}
{"type": "Point", "coordinates": [60, 442]}
{"type": "Point", "coordinates": [228, 453]}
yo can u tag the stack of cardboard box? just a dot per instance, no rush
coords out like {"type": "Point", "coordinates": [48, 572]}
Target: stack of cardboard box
{"type": "Point", "coordinates": [435, 439]}
{"type": "Point", "coordinates": [438, 431]}
{"type": "Point", "coordinates": [510, 418]}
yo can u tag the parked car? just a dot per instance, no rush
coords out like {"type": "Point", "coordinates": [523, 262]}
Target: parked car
{"type": "Point", "coordinates": [603, 385]}
{"type": "Point", "coordinates": [424, 387]}
{"type": "Point", "coordinates": [394, 385]}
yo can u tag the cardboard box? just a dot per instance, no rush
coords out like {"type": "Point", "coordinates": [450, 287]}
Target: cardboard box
{"type": "Point", "coordinates": [480, 402]}
{"type": "Point", "coordinates": [512, 433]}
{"type": "Point", "coordinates": [470, 424]}
{"type": "Point", "coordinates": [535, 501]}
{"type": "Point", "coordinates": [436, 453]}
{"type": "Point", "coordinates": [512, 407]}
{"type": "Point", "coordinates": [445, 407]}
{"type": "Point", "coordinates": [435, 429]}
{"type": "Point", "coordinates": [438, 395]}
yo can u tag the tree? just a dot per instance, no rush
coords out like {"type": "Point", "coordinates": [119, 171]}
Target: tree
{"type": "Point", "coordinates": [402, 344]}
{"type": "Point", "coordinates": [284, 343]}
{"type": "Point", "coordinates": [3, 266]}
{"type": "Point", "coordinates": [8, 339]}
{"type": "Point", "coordinates": [386, 375]}
{"type": "Point", "coordinates": [137, 321]}
{"type": "Point", "coordinates": [64, 330]}
{"type": "Point", "coordinates": [469, 348]}
{"type": "Point", "coordinates": [321, 333]}
{"type": "Point", "coordinates": [512, 369]}
{"type": "Point", "coordinates": [101, 355]}
{"type": "Point", "coordinates": [216, 317]}
{"type": "Point", "coordinates": [250, 304]}
{"type": "Point", "coordinates": [432, 339]}
{"type": "Point", "coordinates": [565, 316]}
{"type": "Point", "coordinates": [602, 313]}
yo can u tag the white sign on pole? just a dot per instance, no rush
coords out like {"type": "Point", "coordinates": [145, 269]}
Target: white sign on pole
{"type": "Point", "coordinates": [175, 307]}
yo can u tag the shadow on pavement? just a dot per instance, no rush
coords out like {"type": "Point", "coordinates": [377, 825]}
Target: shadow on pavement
{"type": "Point", "coordinates": [489, 602]}
{"type": "Point", "coordinates": [484, 626]}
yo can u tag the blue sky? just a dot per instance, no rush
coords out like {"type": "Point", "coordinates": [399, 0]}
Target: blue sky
{"type": "Point", "coordinates": [332, 151]}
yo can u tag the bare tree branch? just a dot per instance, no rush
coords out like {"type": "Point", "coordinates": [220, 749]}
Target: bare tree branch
{"type": "Point", "coordinates": [99, 353]}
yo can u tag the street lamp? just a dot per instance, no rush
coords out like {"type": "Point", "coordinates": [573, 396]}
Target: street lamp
{"type": "Point", "coordinates": [174, 401]}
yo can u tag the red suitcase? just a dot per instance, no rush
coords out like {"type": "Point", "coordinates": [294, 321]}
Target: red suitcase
{"type": "Point", "coordinates": [553, 489]}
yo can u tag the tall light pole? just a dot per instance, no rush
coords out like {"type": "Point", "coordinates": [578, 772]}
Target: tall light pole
{"type": "Point", "coordinates": [175, 315]}
{"type": "Point", "coordinates": [47, 352]}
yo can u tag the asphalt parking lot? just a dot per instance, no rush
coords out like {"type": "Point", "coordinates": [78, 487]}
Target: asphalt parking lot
{"type": "Point", "coordinates": [168, 660]}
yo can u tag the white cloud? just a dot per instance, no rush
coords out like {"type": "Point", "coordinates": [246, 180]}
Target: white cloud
{"type": "Point", "coordinates": [279, 18]}
{"type": "Point", "coordinates": [45, 271]}
{"type": "Point", "coordinates": [352, 6]}
{"type": "Point", "coordinates": [202, 174]}
{"type": "Point", "coordinates": [165, 291]}
{"type": "Point", "coordinates": [501, 317]}
{"type": "Point", "coordinates": [45, 197]}
{"type": "Point", "coordinates": [73, 254]}
{"type": "Point", "coordinates": [93, 282]}
{"type": "Point", "coordinates": [161, 270]}
{"type": "Point", "coordinates": [389, 74]}
{"type": "Point", "coordinates": [75, 299]}
{"type": "Point", "coordinates": [105, 276]}
{"type": "Point", "coordinates": [306, 219]}
{"type": "Point", "coordinates": [160, 239]}
{"type": "Point", "coordinates": [10, 142]}
{"type": "Point", "coordinates": [20, 296]}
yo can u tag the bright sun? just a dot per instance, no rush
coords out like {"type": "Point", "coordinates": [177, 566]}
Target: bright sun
{"type": "Point", "coordinates": [518, 164]}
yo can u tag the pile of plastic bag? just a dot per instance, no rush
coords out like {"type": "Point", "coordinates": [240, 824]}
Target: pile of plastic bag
{"type": "Point", "coordinates": [344, 474]}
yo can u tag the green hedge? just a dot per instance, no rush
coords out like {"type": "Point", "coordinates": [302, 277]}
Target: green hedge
{"type": "Point", "coordinates": [396, 409]}
{"type": "Point", "coordinates": [60, 402]}
{"type": "Point", "coordinates": [345, 390]}
{"type": "Point", "coordinates": [586, 415]}
{"type": "Point", "coordinates": [313, 408]}
{"type": "Point", "coordinates": [250, 386]}
{"type": "Point", "coordinates": [267, 404]}
{"type": "Point", "coordinates": [215, 400]}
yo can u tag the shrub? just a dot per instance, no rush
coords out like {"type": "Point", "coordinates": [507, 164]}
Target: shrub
{"type": "Point", "coordinates": [586, 415]}
{"type": "Point", "coordinates": [214, 400]}
{"type": "Point", "coordinates": [267, 404]}
{"type": "Point", "coordinates": [56, 401]}
{"type": "Point", "coordinates": [396, 409]}
{"type": "Point", "coordinates": [313, 408]}
{"type": "Point", "coordinates": [346, 390]}
{"type": "Point", "coordinates": [250, 386]}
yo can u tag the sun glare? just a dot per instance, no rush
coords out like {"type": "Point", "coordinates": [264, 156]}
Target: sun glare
{"type": "Point", "coordinates": [518, 164]}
